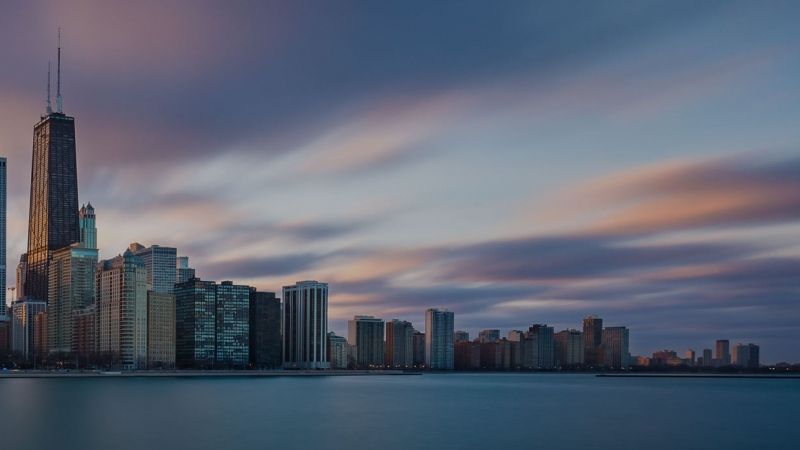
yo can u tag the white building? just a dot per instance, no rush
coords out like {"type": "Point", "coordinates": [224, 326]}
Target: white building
{"type": "Point", "coordinates": [305, 325]}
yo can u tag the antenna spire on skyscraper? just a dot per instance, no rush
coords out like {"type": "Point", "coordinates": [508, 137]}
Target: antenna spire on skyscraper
{"type": "Point", "coordinates": [59, 102]}
{"type": "Point", "coordinates": [49, 106]}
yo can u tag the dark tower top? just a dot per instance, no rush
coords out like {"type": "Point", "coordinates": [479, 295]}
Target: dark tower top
{"type": "Point", "coordinates": [53, 220]}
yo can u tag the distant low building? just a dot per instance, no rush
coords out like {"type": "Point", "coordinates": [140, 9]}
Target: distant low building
{"type": "Point", "coordinates": [568, 346]}
{"type": "Point", "coordinates": [746, 355]}
{"type": "Point", "coordinates": [615, 347]}
{"type": "Point", "coordinates": [338, 351]}
{"type": "Point", "coordinates": [419, 349]}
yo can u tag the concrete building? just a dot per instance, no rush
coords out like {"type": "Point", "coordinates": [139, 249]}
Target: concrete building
{"type": "Point", "coordinates": [615, 346]}
{"type": "Point", "coordinates": [723, 355]}
{"type": "Point", "coordinates": [538, 347]}
{"type": "Point", "coordinates": [568, 347]}
{"type": "Point", "coordinates": [160, 263]}
{"type": "Point", "coordinates": [338, 351]}
{"type": "Point", "coordinates": [746, 355]}
{"type": "Point", "coordinates": [265, 330]}
{"type": "Point", "coordinates": [40, 338]}
{"type": "Point", "coordinates": [366, 334]}
{"type": "Point", "coordinates": [467, 355]}
{"type": "Point", "coordinates": [708, 359]}
{"type": "Point", "coordinates": [399, 344]}
{"type": "Point", "coordinates": [160, 330]}
{"type": "Point", "coordinates": [84, 327]}
{"type": "Point", "coordinates": [72, 287]}
{"type": "Point", "coordinates": [592, 340]}
{"type": "Point", "coordinates": [305, 325]}
{"type": "Point", "coordinates": [5, 337]}
{"type": "Point", "coordinates": [22, 326]}
{"type": "Point", "coordinates": [121, 287]}
{"type": "Point", "coordinates": [439, 350]}
{"type": "Point", "coordinates": [195, 323]}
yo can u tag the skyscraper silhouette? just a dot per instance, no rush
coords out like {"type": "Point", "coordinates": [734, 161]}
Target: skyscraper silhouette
{"type": "Point", "coordinates": [53, 219]}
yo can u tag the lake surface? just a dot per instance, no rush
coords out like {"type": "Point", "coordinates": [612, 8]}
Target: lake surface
{"type": "Point", "coordinates": [432, 411]}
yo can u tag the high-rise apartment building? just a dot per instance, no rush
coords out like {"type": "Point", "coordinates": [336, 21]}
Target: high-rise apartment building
{"type": "Point", "coordinates": [160, 330]}
{"type": "Point", "coordinates": [195, 323]}
{"type": "Point", "coordinates": [22, 326]}
{"type": "Point", "coordinates": [160, 263]}
{"type": "Point", "coordinates": [53, 212]}
{"type": "Point", "coordinates": [568, 346]}
{"type": "Point", "coordinates": [338, 351]}
{"type": "Point", "coordinates": [232, 325]}
{"type": "Point", "coordinates": [460, 336]}
{"type": "Point", "coordinates": [538, 347]}
{"type": "Point", "coordinates": [746, 355]}
{"type": "Point", "coordinates": [305, 325]}
{"type": "Point", "coordinates": [723, 355]}
{"type": "Point", "coordinates": [592, 340]}
{"type": "Point", "coordinates": [365, 334]}
{"type": "Point", "coordinates": [84, 327]}
{"type": "Point", "coordinates": [72, 287]}
{"type": "Point", "coordinates": [399, 344]}
{"type": "Point", "coordinates": [708, 359]}
{"type": "Point", "coordinates": [439, 349]}
{"type": "Point", "coordinates": [121, 289]}
{"type": "Point", "coordinates": [615, 347]}
{"type": "Point", "coordinates": [265, 330]}
{"type": "Point", "coordinates": [419, 349]}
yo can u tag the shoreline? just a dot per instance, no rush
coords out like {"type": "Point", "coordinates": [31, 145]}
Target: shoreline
{"type": "Point", "coordinates": [206, 374]}
{"type": "Point", "coordinates": [699, 375]}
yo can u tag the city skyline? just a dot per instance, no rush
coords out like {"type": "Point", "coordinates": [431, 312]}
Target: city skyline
{"type": "Point", "coordinates": [406, 204]}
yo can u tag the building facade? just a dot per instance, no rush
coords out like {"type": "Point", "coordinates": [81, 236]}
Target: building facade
{"type": "Point", "coordinates": [338, 351]}
{"type": "Point", "coordinates": [159, 262]}
{"type": "Point", "coordinates": [439, 349]}
{"type": "Point", "coordinates": [121, 287]}
{"type": "Point", "coordinates": [183, 272]}
{"type": "Point", "coordinates": [615, 347]}
{"type": "Point", "coordinates": [265, 330]}
{"type": "Point", "coordinates": [232, 335]}
{"type": "Point", "coordinates": [399, 344]}
{"type": "Point", "coordinates": [592, 340]}
{"type": "Point", "coordinates": [723, 354]}
{"type": "Point", "coordinates": [72, 287]}
{"type": "Point", "coordinates": [419, 349]}
{"type": "Point", "coordinates": [160, 330]}
{"type": "Point", "coordinates": [22, 327]}
{"type": "Point", "coordinates": [88, 226]}
{"type": "Point", "coordinates": [568, 346]}
{"type": "Point", "coordinates": [305, 325]}
{"type": "Point", "coordinates": [365, 334]}
{"type": "Point", "coordinates": [3, 200]}
{"type": "Point", "coordinates": [195, 323]}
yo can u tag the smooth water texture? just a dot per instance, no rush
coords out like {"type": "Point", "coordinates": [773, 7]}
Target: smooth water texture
{"type": "Point", "coordinates": [432, 411]}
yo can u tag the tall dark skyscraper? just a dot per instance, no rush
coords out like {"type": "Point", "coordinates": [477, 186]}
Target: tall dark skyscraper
{"type": "Point", "coordinates": [53, 220]}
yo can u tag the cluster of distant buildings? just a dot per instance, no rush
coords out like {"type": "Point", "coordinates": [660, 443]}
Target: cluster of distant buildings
{"type": "Point", "coordinates": [146, 309]}
{"type": "Point", "coordinates": [743, 355]}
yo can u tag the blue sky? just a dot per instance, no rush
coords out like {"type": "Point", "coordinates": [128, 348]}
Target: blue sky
{"type": "Point", "coordinates": [530, 163]}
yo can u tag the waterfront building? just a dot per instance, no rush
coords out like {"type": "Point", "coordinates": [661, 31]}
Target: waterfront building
{"type": "Point", "coordinates": [338, 351]}
{"type": "Point", "coordinates": [690, 357]}
{"type": "Point", "coordinates": [5, 336]}
{"type": "Point", "coordinates": [121, 288]}
{"type": "Point", "coordinates": [538, 347]}
{"type": "Point", "coordinates": [3, 200]}
{"type": "Point", "coordinates": [40, 337]}
{"type": "Point", "coordinates": [708, 360]}
{"type": "Point", "coordinates": [439, 350]}
{"type": "Point", "coordinates": [568, 348]}
{"type": "Point", "coordinates": [305, 325]}
{"type": "Point", "coordinates": [495, 355]}
{"type": "Point", "coordinates": [723, 354]}
{"type": "Point", "coordinates": [592, 340]}
{"type": "Point", "coordinates": [366, 334]}
{"type": "Point", "coordinates": [746, 355]}
{"type": "Point", "coordinates": [399, 344]}
{"type": "Point", "coordinates": [160, 263]}
{"type": "Point", "coordinates": [486, 336]}
{"type": "Point", "coordinates": [88, 227]}
{"type": "Point", "coordinates": [615, 346]}
{"type": "Point", "coordinates": [160, 330]}
{"type": "Point", "coordinates": [195, 323]}
{"type": "Point", "coordinates": [183, 272]}
{"type": "Point", "coordinates": [467, 355]}
{"type": "Point", "coordinates": [232, 337]}
{"type": "Point", "coordinates": [71, 287]}
{"type": "Point", "coordinates": [665, 358]}
{"type": "Point", "coordinates": [85, 333]}
{"type": "Point", "coordinates": [419, 349]}
{"type": "Point", "coordinates": [22, 326]}
{"type": "Point", "coordinates": [53, 211]}
{"type": "Point", "coordinates": [265, 330]}
{"type": "Point", "coordinates": [460, 336]}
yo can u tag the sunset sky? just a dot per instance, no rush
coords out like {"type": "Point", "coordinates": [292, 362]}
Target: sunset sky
{"type": "Point", "coordinates": [638, 160]}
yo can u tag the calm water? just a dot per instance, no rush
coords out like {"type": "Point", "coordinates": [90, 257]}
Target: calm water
{"type": "Point", "coordinates": [451, 411]}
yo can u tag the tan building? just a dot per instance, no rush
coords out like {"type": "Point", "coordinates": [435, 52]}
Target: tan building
{"type": "Point", "coordinates": [160, 330]}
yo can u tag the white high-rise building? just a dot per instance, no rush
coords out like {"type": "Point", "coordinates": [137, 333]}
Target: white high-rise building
{"type": "Point", "coordinates": [439, 351]}
{"type": "Point", "coordinates": [305, 325]}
